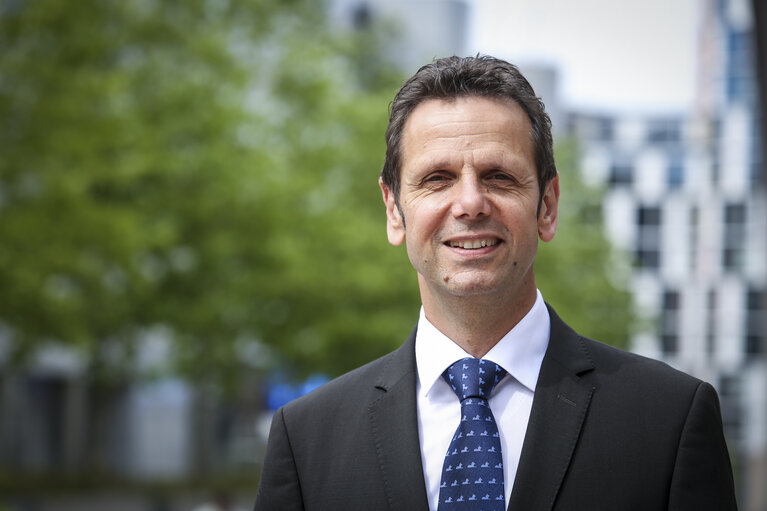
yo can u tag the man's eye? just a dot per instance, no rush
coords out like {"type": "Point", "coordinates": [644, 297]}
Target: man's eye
{"type": "Point", "coordinates": [500, 176]}
{"type": "Point", "coordinates": [435, 178]}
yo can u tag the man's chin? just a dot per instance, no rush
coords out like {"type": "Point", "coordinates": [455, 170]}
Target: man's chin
{"type": "Point", "coordinates": [461, 286]}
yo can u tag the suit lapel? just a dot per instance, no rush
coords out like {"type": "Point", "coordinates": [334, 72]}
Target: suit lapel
{"type": "Point", "coordinates": [559, 408]}
{"type": "Point", "coordinates": [394, 422]}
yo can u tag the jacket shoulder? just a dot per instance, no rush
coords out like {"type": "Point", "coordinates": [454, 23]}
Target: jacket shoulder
{"type": "Point", "coordinates": [612, 360]}
{"type": "Point", "coordinates": [360, 386]}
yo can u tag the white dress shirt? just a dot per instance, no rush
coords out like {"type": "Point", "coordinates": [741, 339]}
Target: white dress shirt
{"type": "Point", "coordinates": [520, 352]}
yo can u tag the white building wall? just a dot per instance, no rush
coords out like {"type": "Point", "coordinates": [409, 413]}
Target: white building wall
{"type": "Point", "coordinates": [649, 177]}
{"type": "Point", "coordinates": [756, 240]}
{"type": "Point", "coordinates": [729, 347]}
{"type": "Point", "coordinates": [160, 426]}
{"type": "Point", "coordinates": [700, 249]}
{"type": "Point", "coordinates": [734, 168]}
{"type": "Point", "coordinates": [675, 239]}
{"type": "Point", "coordinates": [595, 165]}
{"type": "Point", "coordinates": [619, 217]}
{"type": "Point", "coordinates": [629, 134]}
{"type": "Point", "coordinates": [711, 233]}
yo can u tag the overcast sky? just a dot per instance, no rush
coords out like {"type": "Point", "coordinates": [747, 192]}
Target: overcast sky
{"type": "Point", "coordinates": [627, 55]}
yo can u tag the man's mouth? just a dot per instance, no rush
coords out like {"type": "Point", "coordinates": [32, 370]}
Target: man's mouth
{"type": "Point", "coordinates": [473, 244]}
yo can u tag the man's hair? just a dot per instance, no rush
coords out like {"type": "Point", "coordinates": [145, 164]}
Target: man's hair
{"type": "Point", "coordinates": [453, 77]}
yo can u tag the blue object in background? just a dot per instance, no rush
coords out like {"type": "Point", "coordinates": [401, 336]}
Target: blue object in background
{"type": "Point", "coordinates": [279, 393]}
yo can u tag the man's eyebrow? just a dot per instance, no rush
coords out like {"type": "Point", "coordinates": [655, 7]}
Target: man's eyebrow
{"type": "Point", "coordinates": [505, 162]}
{"type": "Point", "coordinates": [494, 165]}
{"type": "Point", "coordinates": [429, 163]}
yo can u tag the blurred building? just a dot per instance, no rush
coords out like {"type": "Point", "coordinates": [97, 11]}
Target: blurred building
{"type": "Point", "coordinates": [686, 199]}
{"type": "Point", "coordinates": [56, 421]}
{"type": "Point", "coordinates": [422, 30]}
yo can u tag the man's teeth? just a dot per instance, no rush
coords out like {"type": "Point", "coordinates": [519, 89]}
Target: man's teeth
{"type": "Point", "coordinates": [470, 244]}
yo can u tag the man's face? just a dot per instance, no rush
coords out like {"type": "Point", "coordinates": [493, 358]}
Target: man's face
{"type": "Point", "coordinates": [469, 195]}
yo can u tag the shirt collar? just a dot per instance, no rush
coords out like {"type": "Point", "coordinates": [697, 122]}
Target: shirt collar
{"type": "Point", "coordinates": [520, 351]}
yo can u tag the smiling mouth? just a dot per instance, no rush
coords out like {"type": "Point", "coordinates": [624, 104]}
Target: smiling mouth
{"type": "Point", "coordinates": [472, 244]}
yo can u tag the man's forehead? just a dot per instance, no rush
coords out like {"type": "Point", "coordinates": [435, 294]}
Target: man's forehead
{"type": "Point", "coordinates": [438, 125]}
{"type": "Point", "coordinates": [436, 108]}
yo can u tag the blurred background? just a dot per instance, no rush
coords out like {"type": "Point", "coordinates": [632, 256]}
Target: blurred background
{"type": "Point", "coordinates": [191, 232]}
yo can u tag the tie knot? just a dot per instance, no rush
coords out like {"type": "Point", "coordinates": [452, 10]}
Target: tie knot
{"type": "Point", "coordinates": [473, 377]}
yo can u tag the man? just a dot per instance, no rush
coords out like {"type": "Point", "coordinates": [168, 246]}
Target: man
{"type": "Point", "coordinates": [470, 185]}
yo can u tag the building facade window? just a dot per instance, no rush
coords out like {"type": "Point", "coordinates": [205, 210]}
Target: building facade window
{"type": "Point", "coordinates": [733, 246]}
{"type": "Point", "coordinates": [755, 321]}
{"type": "Point", "coordinates": [675, 173]}
{"type": "Point", "coordinates": [592, 128]}
{"type": "Point", "coordinates": [362, 17]}
{"type": "Point", "coordinates": [756, 174]}
{"type": "Point", "coordinates": [711, 321]}
{"type": "Point", "coordinates": [714, 153]}
{"type": "Point", "coordinates": [693, 237]}
{"type": "Point", "coordinates": [648, 232]}
{"type": "Point", "coordinates": [669, 323]}
{"type": "Point", "coordinates": [46, 397]}
{"type": "Point", "coordinates": [664, 131]}
{"type": "Point", "coordinates": [604, 129]}
{"type": "Point", "coordinates": [739, 66]}
{"type": "Point", "coordinates": [730, 391]}
{"type": "Point", "coordinates": [621, 174]}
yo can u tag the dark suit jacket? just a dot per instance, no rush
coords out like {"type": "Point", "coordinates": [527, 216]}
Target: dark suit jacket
{"type": "Point", "coordinates": [608, 430]}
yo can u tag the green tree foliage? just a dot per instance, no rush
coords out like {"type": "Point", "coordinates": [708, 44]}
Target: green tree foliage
{"type": "Point", "coordinates": [207, 169]}
{"type": "Point", "coordinates": [579, 273]}
{"type": "Point", "coordinates": [202, 168]}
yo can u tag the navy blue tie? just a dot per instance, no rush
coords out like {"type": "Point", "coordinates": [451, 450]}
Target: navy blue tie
{"type": "Point", "coordinates": [472, 475]}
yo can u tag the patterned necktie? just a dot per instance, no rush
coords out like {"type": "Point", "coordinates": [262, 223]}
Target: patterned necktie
{"type": "Point", "coordinates": [472, 474]}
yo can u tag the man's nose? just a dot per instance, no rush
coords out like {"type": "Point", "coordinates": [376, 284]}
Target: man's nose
{"type": "Point", "coordinates": [471, 198]}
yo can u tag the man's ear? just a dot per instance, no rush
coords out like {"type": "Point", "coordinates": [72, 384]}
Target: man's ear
{"type": "Point", "coordinates": [548, 215]}
{"type": "Point", "coordinates": [395, 225]}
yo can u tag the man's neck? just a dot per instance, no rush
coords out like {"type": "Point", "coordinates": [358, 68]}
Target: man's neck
{"type": "Point", "coordinates": [476, 323]}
